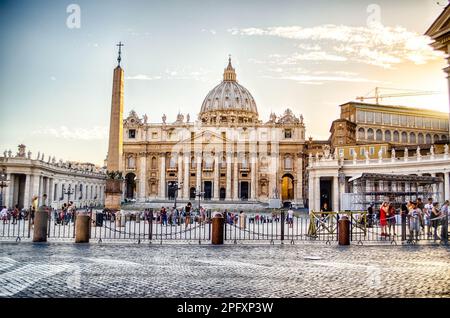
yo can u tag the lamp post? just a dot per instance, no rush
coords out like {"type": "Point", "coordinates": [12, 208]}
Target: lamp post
{"type": "Point", "coordinates": [69, 192]}
{"type": "Point", "coordinates": [3, 184]}
{"type": "Point", "coordinates": [174, 185]}
{"type": "Point", "coordinates": [199, 194]}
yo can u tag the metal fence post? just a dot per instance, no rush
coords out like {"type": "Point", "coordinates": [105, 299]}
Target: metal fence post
{"type": "Point", "coordinates": [282, 225]}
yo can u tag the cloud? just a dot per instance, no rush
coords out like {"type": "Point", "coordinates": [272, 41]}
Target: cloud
{"type": "Point", "coordinates": [321, 79]}
{"type": "Point", "coordinates": [211, 31]}
{"type": "Point", "coordinates": [376, 45]}
{"type": "Point", "coordinates": [143, 77]}
{"type": "Point", "coordinates": [53, 78]}
{"type": "Point", "coordinates": [63, 132]}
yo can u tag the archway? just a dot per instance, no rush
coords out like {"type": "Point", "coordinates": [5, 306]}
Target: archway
{"type": "Point", "coordinates": [287, 187]}
{"type": "Point", "coordinates": [130, 181]}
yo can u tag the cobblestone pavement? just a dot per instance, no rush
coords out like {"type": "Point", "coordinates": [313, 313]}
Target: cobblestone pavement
{"type": "Point", "coordinates": [307, 270]}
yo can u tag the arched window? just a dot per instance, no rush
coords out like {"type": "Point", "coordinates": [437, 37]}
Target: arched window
{"type": "Point", "coordinates": [387, 135]}
{"type": "Point", "coordinates": [404, 137]}
{"type": "Point", "coordinates": [444, 137]}
{"type": "Point", "coordinates": [223, 163]}
{"type": "Point", "coordinates": [420, 139]}
{"type": "Point", "coordinates": [379, 135]}
{"type": "Point", "coordinates": [131, 162]}
{"type": "Point", "coordinates": [193, 162]}
{"type": "Point", "coordinates": [396, 136]}
{"type": "Point", "coordinates": [288, 163]}
{"type": "Point", "coordinates": [370, 134]}
{"type": "Point", "coordinates": [428, 139]}
{"type": "Point", "coordinates": [412, 138]}
{"type": "Point", "coordinates": [435, 138]}
{"type": "Point", "coordinates": [361, 134]}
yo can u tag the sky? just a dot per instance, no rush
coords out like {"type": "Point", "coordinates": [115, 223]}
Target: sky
{"type": "Point", "coordinates": [309, 56]}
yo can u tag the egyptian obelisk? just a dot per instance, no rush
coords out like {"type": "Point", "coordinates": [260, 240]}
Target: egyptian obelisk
{"type": "Point", "coordinates": [113, 190]}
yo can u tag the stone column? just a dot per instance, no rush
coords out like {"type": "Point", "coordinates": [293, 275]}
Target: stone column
{"type": "Point", "coordinates": [336, 194]}
{"type": "Point", "coordinates": [180, 175]}
{"type": "Point", "coordinates": [311, 191]}
{"type": "Point", "coordinates": [35, 186]}
{"type": "Point", "coordinates": [253, 176]}
{"type": "Point", "coordinates": [435, 189]}
{"type": "Point", "coordinates": [316, 194]}
{"type": "Point", "coordinates": [48, 189]}
{"type": "Point", "coordinates": [299, 197]}
{"type": "Point", "coordinates": [143, 178]}
{"type": "Point", "coordinates": [187, 159]}
{"type": "Point", "coordinates": [446, 186]}
{"type": "Point", "coordinates": [441, 192]}
{"type": "Point", "coordinates": [198, 175]}
{"type": "Point", "coordinates": [6, 198]}
{"type": "Point", "coordinates": [216, 176]}
{"type": "Point", "coordinates": [27, 196]}
{"type": "Point", "coordinates": [229, 163]}
{"type": "Point", "coordinates": [41, 190]}
{"type": "Point", "coordinates": [235, 177]}
{"type": "Point", "coordinates": [162, 177]}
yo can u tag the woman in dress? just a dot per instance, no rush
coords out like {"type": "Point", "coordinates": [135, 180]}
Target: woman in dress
{"type": "Point", "coordinates": [383, 221]}
{"type": "Point", "coordinates": [391, 218]}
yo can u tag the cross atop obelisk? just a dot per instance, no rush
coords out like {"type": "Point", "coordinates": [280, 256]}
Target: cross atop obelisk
{"type": "Point", "coordinates": [119, 58]}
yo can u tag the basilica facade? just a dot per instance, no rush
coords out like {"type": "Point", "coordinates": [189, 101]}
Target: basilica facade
{"type": "Point", "coordinates": [225, 154]}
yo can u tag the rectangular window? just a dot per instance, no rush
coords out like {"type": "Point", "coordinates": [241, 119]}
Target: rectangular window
{"type": "Point", "coordinates": [377, 118]}
{"type": "Point", "coordinates": [369, 117]}
{"type": "Point", "coordinates": [362, 152]}
{"type": "Point", "coordinates": [395, 119]}
{"type": "Point", "coordinates": [371, 150]}
{"type": "Point", "coordinates": [341, 152]}
{"type": "Point", "coordinates": [154, 135]}
{"type": "Point", "coordinates": [360, 116]}
{"type": "Point", "coordinates": [352, 151]}
{"type": "Point", "coordinates": [427, 122]}
{"type": "Point", "coordinates": [403, 120]}
{"type": "Point", "coordinates": [386, 119]}
{"type": "Point", "coordinates": [411, 121]}
{"type": "Point", "coordinates": [132, 133]}
{"type": "Point", "coordinates": [419, 122]}
{"type": "Point", "coordinates": [288, 134]}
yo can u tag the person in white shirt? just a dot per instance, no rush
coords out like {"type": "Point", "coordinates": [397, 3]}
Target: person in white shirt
{"type": "Point", "coordinates": [428, 209]}
{"type": "Point", "coordinates": [4, 214]}
{"type": "Point", "coordinates": [290, 217]}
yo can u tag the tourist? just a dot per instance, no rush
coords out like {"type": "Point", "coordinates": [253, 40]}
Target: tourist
{"type": "Point", "coordinates": [370, 216]}
{"type": "Point", "coordinates": [187, 211]}
{"type": "Point", "coordinates": [414, 221]}
{"type": "Point", "coordinates": [445, 211]}
{"type": "Point", "coordinates": [163, 214]}
{"type": "Point", "coordinates": [16, 214]}
{"type": "Point", "coordinates": [34, 208]}
{"type": "Point", "coordinates": [383, 221]}
{"type": "Point", "coordinates": [242, 220]}
{"type": "Point", "coordinates": [4, 214]}
{"type": "Point", "coordinates": [427, 211]}
{"type": "Point", "coordinates": [290, 217]}
{"type": "Point", "coordinates": [391, 212]}
{"type": "Point", "coordinates": [435, 218]}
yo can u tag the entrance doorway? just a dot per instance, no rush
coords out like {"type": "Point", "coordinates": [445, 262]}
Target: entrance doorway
{"type": "Point", "coordinates": [130, 181]}
{"type": "Point", "coordinates": [192, 193]}
{"type": "Point", "coordinates": [287, 188]}
{"type": "Point", "coordinates": [325, 193]}
{"type": "Point", "coordinates": [223, 193]}
{"type": "Point", "coordinates": [244, 190]}
{"type": "Point", "coordinates": [207, 188]}
{"type": "Point", "coordinates": [171, 190]}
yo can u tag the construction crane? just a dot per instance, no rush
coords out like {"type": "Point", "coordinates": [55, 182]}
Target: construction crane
{"type": "Point", "coordinates": [406, 93]}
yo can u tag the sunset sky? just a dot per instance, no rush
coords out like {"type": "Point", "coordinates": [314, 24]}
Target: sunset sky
{"type": "Point", "coordinates": [310, 56]}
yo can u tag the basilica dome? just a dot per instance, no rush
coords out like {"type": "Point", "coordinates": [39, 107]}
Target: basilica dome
{"type": "Point", "coordinates": [229, 102]}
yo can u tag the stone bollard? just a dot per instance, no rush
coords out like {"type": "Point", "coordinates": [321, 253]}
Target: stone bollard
{"type": "Point", "coordinates": [217, 229]}
{"type": "Point", "coordinates": [40, 225]}
{"type": "Point", "coordinates": [344, 231]}
{"type": "Point", "coordinates": [82, 229]}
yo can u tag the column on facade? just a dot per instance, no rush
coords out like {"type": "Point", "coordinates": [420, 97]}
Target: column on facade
{"type": "Point", "coordinates": [35, 183]}
{"type": "Point", "coordinates": [316, 206]}
{"type": "Point", "coordinates": [299, 198]}
{"type": "Point", "coordinates": [187, 159]}
{"type": "Point", "coordinates": [441, 195]}
{"type": "Point", "coordinates": [336, 193]}
{"type": "Point", "coordinates": [162, 177]}
{"type": "Point", "coordinates": [41, 190]}
{"type": "Point", "coordinates": [6, 197]}
{"type": "Point", "coordinates": [253, 175]}
{"type": "Point", "coordinates": [216, 176]}
{"type": "Point", "coordinates": [235, 177]}
{"type": "Point", "coordinates": [229, 163]}
{"type": "Point", "coordinates": [435, 189]}
{"type": "Point", "coordinates": [50, 191]}
{"type": "Point", "coordinates": [180, 175]}
{"type": "Point", "coordinates": [27, 196]}
{"type": "Point", "coordinates": [143, 178]}
{"type": "Point", "coordinates": [311, 191]}
{"type": "Point", "coordinates": [47, 191]}
{"type": "Point", "coordinates": [446, 186]}
{"type": "Point", "coordinates": [198, 175]}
